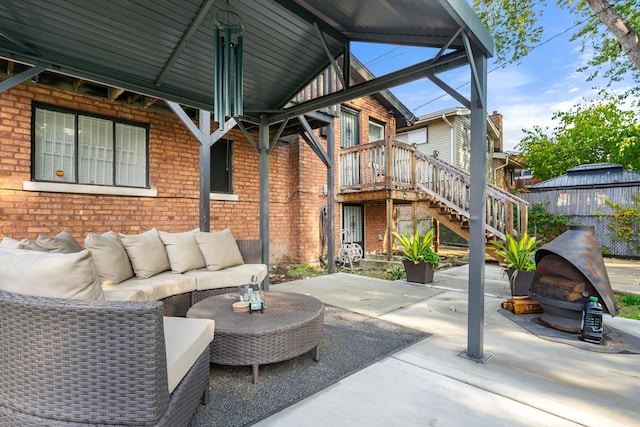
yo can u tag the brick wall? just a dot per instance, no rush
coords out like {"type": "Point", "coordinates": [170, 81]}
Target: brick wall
{"type": "Point", "coordinates": [296, 177]}
{"type": "Point", "coordinates": [374, 213]}
{"type": "Point", "coordinates": [174, 172]}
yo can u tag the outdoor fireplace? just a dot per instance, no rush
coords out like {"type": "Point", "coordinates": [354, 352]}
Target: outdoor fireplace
{"type": "Point", "coordinates": [569, 270]}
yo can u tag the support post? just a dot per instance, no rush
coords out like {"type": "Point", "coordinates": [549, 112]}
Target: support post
{"type": "Point", "coordinates": [205, 171]}
{"type": "Point", "coordinates": [331, 199]}
{"type": "Point", "coordinates": [478, 190]}
{"type": "Point", "coordinates": [263, 152]}
{"type": "Point", "coordinates": [389, 228]}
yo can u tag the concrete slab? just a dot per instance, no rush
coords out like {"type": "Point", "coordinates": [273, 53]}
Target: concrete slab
{"type": "Point", "coordinates": [360, 294]}
{"type": "Point", "coordinates": [528, 381]}
{"type": "Point", "coordinates": [379, 396]}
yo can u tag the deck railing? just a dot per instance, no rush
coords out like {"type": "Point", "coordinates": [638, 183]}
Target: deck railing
{"type": "Point", "coordinates": [367, 167]}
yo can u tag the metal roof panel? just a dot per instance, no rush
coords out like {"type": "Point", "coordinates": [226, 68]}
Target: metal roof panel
{"type": "Point", "coordinates": [130, 44]}
{"type": "Point", "coordinates": [590, 175]}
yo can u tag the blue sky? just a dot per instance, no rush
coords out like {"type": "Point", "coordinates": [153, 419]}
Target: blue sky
{"type": "Point", "coordinates": [526, 94]}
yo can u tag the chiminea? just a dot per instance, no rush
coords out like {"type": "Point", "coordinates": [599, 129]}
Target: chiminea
{"type": "Point", "coordinates": [569, 270]}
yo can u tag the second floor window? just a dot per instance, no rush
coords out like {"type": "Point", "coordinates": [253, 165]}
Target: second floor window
{"type": "Point", "coordinates": [76, 148]}
{"type": "Point", "coordinates": [376, 132]}
{"type": "Point", "coordinates": [349, 132]}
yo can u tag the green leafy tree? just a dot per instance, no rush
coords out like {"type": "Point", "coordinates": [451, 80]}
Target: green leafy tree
{"type": "Point", "coordinates": [611, 30]}
{"type": "Point", "coordinates": [544, 226]}
{"type": "Point", "coordinates": [589, 133]}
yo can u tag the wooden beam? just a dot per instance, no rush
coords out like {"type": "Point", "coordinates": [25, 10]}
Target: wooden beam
{"type": "Point", "coordinates": [148, 102]}
{"type": "Point", "coordinates": [115, 92]}
{"type": "Point", "coordinates": [133, 98]}
{"type": "Point", "coordinates": [77, 84]}
{"type": "Point", "coordinates": [389, 228]}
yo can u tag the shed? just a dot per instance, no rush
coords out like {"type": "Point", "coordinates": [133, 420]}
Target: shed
{"type": "Point", "coordinates": [581, 195]}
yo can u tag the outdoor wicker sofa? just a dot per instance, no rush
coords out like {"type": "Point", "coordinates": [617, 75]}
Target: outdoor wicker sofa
{"type": "Point", "coordinates": [86, 362]}
{"type": "Point", "coordinates": [178, 269]}
{"type": "Point", "coordinates": [178, 305]}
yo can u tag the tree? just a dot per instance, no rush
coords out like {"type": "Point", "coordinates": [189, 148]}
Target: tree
{"type": "Point", "coordinates": [514, 26]}
{"type": "Point", "coordinates": [588, 133]}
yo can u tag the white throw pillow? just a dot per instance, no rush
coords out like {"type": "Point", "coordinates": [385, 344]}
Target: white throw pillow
{"type": "Point", "coordinates": [62, 243]}
{"type": "Point", "coordinates": [110, 258]}
{"type": "Point", "coordinates": [32, 245]}
{"type": "Point", "coordinates": [146, 253]}
{"type": "Point", "coordinates": [50, 274]}
{"type": "Point", "coordinates": [183, 251]}
{"type": "Point", "coordinates": [220, 250]}
{"type": "Point", "coordinates": [9, 243]}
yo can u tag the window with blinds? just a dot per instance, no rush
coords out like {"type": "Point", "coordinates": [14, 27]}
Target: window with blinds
{"type": "Point", "coordinates": [349, 132]}
{"type": "Point", "coordinates": [72, 147]}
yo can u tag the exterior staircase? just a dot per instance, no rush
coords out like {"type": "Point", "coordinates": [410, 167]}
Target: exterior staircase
{"type": "Point", "coordinates": [441, 189]}
{"type": "Point", "coordinates": [447, 189]}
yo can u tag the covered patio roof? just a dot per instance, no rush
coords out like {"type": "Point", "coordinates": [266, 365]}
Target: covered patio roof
{"type": "Point", "coordinates": [164, 49]}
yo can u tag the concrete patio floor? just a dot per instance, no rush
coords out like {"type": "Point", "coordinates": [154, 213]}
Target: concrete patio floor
{"type": "Point", "coordinates": [529, 381]}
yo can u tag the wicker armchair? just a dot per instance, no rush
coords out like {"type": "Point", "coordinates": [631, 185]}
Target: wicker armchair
{"type": "Point", "coordinates": [72, 362]}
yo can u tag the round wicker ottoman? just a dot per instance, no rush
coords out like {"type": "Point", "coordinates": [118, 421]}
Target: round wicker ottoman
{"type": "Point", "coordinates": [291, 325]}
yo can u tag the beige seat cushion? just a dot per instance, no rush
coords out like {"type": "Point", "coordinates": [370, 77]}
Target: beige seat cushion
{"type": "Point", "coordinates": [116, 293]}
{"type": "Point", "coordinates": [183, 251]}
{"type": "Point", "coordinates": [50, 274]}
{"type": "Point", "coordinates": [146, 253]}
{"type": "Point", "coordinates": [185, 340]}
{"type": "Point", "coordinates": [63, 242]}
{"type": "Point", "coordinates": [160, 286]}
{"type": "Point", "coordinates": [110, 257]}
{"type": "Point", "coordinates": [230, 276]}
{"type": "Point", "coordinates": [220, 250]}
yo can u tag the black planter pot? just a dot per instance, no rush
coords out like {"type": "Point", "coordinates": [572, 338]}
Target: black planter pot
{"type": "Point", "coordinates": [418, 273]}
{"type": "Point", "coordinates": [520, 282]}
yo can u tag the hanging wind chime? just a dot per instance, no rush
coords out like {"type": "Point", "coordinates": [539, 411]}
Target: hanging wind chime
{"type": "Point", "coordinates": [227, 65]}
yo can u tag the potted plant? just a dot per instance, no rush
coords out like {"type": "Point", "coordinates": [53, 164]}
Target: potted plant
{"type": "Point", "coordinates": [418, 258]}
{"type": "Point", "coordinates": [518, 261]}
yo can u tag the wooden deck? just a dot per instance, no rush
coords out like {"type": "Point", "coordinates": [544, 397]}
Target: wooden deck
{"type": "Point", "coordinates": [368, 174]}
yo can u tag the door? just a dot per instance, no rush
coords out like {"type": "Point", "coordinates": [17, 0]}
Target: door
{"type": "Point", "coordinates": [353, 224]}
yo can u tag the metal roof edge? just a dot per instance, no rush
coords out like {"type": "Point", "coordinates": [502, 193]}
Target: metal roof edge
{"type": "Point", "coordinates": [464, 15]}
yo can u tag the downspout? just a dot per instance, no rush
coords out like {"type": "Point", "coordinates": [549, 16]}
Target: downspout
{"type": "Point", "coordinates": [451, 142]}
{"type": "Point", "coordinates": [495, 171]}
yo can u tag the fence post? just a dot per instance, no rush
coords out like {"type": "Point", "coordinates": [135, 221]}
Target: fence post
{"type": "Point", "coordinates": [508, 218]}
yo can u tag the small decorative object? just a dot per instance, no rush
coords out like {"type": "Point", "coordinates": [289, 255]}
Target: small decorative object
{"type": "Point", "coordinates": [244, 292]}
{"type": "Point", "coordinates": [592, 321]}
{"type": "Point", "coordinates": [240, 307]}
{"type": "Point", "coordinates": [227, 65]}
{"type": "Point", "coordinates": [419, 259]}
{"type": "Point", "coordinates": [256, 296]}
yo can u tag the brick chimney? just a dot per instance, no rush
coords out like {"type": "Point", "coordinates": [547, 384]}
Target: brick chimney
{"type": "Point", "coordinates": [496, 118]}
